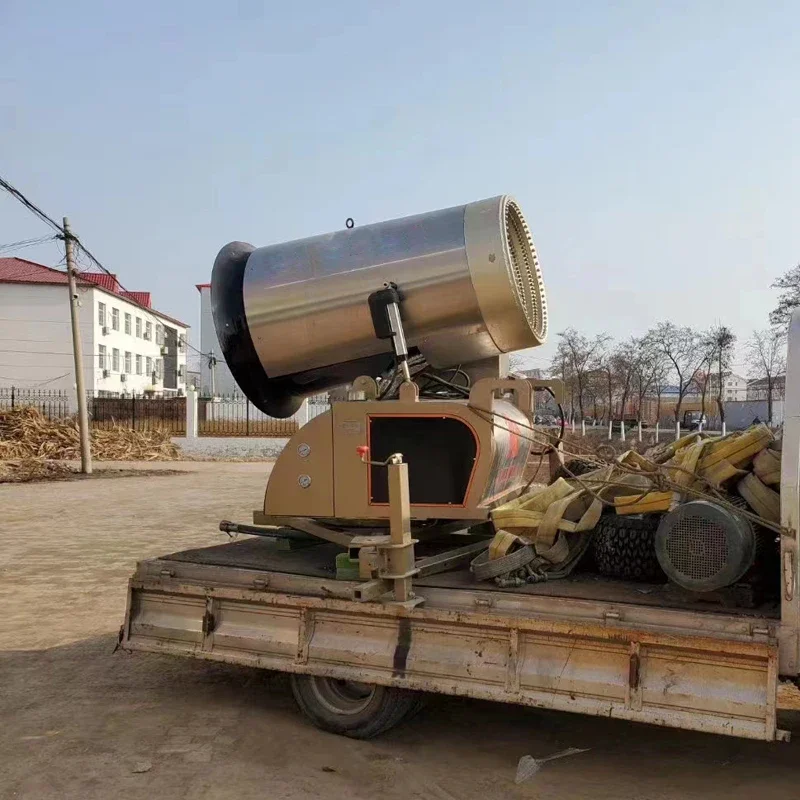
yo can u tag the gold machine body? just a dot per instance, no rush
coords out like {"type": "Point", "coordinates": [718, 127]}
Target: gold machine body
{"type": "Point", "coordinates": [296, 318]}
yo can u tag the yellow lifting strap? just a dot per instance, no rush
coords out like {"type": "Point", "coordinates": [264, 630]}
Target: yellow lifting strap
{"type": "Point", "coordinates": [538, 515]}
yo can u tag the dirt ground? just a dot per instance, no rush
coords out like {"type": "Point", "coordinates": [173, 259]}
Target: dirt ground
{"type": "Point", "coordinates": [81, 722]}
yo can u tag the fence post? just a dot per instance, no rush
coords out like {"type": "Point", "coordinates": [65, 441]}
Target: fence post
{"type": "Point", "coordinates": [247, 412]}
{"type": "Point", "coordinates": [133, 412]}
{"type": "Point", "coordinates": [191, 413]}
{"type": "Point", "coordinates": [12, 398]}
{"type": "Point", "coordinates": [302, 414]}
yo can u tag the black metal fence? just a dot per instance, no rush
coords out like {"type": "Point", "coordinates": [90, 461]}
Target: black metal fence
{"type": "Point", "coordinates": [51, 403]}
{"type": "Point", "coordinates": [237, 416]}
{"type": "Point", "coordinates": [139, 413]}
{"type": "Point", "coordinates": [232, 415]}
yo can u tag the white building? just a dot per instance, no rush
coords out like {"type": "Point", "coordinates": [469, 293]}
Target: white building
{"type": "Point", "coordinates": [215, 377]}
{"type": "Point", "coordinates": [129, 348]}
{"type": "Point", "coordinates": [734, 387]}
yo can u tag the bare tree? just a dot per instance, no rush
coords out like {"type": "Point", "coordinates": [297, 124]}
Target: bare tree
{"type": "Point", "coordinates": [624, 361]}
{"type": "Point", "coordinates": [702, 377]}
{"type": "Point", "coordinates": [605, 368]}
{"type": "Point", "coordinates": [648, 367]}
{"type": "Point", "coordinates": [681, 347]}
{"type": "Point", "coordinates": [594, 391]}
{"type": "Point", "coordinates": [702, 382]}
{"type": "Point", "coordinates": [766, 357]}
{"type": "Point", "coordinates": [561, 366]}
{"type": "Point", "coordinates": [578, 353]}
{"type": "Point", "coordinates": [789, 299]}
{"type": "Point", "coordinates": [721, 341]}
{"type": "Point", "coordinates": [516, 362]}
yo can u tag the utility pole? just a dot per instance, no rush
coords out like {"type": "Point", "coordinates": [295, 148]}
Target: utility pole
{"type": "Point", "coordinates": [77, 350]}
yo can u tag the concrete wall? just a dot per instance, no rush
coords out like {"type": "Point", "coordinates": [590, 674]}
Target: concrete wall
{"type": "Point", "coordinates": [230, 446]}
{"type": "Point", "coordinates": [740, 415]}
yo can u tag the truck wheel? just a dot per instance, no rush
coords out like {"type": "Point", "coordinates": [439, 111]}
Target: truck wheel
{"type": "Point", "coordinates": [624, 547]}
{"type": "Point", "coordinates": [350, 708]}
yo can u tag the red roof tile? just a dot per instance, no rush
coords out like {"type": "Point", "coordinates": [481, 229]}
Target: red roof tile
{"type": "Point", "coordinates": [20, 270]}
{"type": "Point", "coordinates": [105, 280]}
{"type": "Point", "coordinates": [140, 298]}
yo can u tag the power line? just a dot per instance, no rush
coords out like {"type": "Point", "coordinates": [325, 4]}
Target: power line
{"type": "Point", "coordinates": [34, 209]}
{"type": "Point", "coordinates": [23, 243]}
{"type": "Point", "coordinates": [39, 383]}
{"type": "Point", "coordinates": [4, 184]}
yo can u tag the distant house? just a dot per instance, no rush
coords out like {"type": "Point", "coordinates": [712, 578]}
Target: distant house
{"type": "Point", "coordinates": [757, 389]}
{"type": "Point", "coordinates": [129, 347]}
{"type": "Point", "coordinates": [734, 387]}
{"type": "Point", "coordinates": [536, 374]}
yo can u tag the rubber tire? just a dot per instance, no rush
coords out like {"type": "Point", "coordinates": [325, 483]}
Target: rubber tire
{"type": "Point", "coordinates": [624, 547]}
{"type": "Point", "coordinates": [387, 707]}
{"type": "Point", "coordinates": [576, 467]}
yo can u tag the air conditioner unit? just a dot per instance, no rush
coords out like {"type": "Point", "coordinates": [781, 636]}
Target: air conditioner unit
{"type": "Point", "coordinates": [180, 372]}
{"type": "Point", "coordinates": [123, 377]}
{"type": "Point", "coordinates": [163, 349]}
{"type": "Point", "coordinates": [105, 330]}
{"type": "Point", "coordinates": [106, 373]}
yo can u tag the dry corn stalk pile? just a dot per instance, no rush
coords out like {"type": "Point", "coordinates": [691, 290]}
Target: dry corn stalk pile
{"type": "Point", "coordinates": [715, 468]}
{"type": "Point", "coordinates": [27, 434]}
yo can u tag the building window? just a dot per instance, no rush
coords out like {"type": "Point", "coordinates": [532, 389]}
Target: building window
{"type": "Point", "coordinates": [148, 331]}
{"type": "Point", "coordinates": [148, 365]}
{"type": "Point", "coordinates": [139, 327]}
{"type": "Point", "coordinates": [128, 323]}
{"type": "Point", "coordinates": [138, 364]}
{"type": "Point", "coordinates": [115, 360]}
{"type": "Point", "coordinates": [101, 314]}
{"type": "Point", "coordinates": [181, 342]}
{"type": "Point", "coordinates": [101, 356]}
{"type": "Point", "coordinates": [159, 334]}
{"type": "Point", "coordinates": [159, 368]}
{"type": "Point", "coordinates": [115, 319]}
{"type": "Point", "coordinates": [127, 363]}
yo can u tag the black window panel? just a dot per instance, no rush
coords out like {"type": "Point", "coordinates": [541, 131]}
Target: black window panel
{"type": "Point", "coordinates": [440, 453]}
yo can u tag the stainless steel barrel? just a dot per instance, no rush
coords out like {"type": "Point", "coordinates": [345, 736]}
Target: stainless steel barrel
{"type": "Point", "coordinates": [293, 319]}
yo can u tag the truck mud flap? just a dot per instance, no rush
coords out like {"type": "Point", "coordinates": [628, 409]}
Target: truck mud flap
{"type": "Point", "coordinates": [723, 686]}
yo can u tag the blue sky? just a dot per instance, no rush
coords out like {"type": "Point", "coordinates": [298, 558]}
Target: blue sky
{"type": "Point", "coordinates": [652, 146]}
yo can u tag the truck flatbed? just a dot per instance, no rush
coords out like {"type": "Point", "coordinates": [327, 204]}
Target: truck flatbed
{"type": "Point", "coordinates": [258, 554]}
{"type": "Point", "coordinates": [578, 645]}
